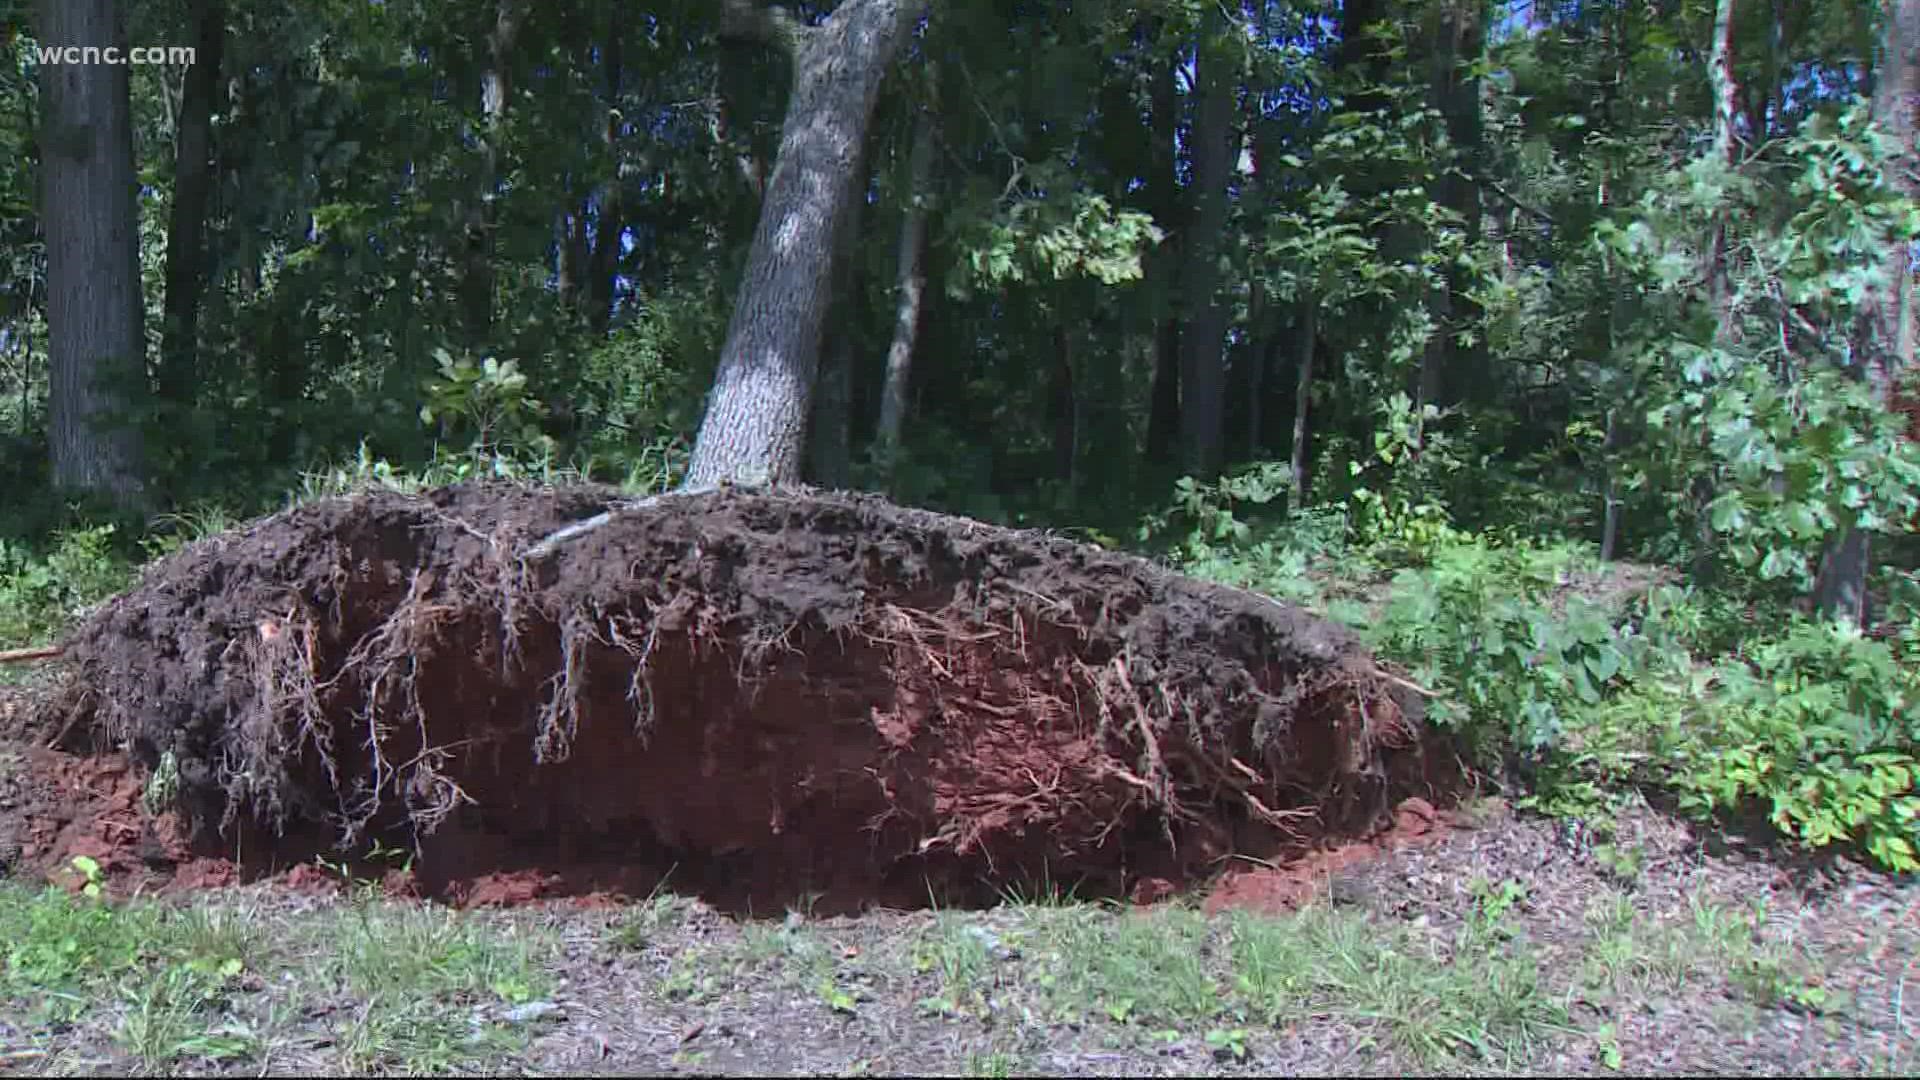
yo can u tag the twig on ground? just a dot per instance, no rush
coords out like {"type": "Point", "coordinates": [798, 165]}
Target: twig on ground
{"type": "Point", "coordinates": [41, 652]}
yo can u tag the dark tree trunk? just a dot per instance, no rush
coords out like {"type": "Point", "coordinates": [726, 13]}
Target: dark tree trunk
{"type": "Point", "coordinates": [912, 287]}
{"type": "Point", "coordinates": [830, 423]}
{"type": "Point", "coordinates": [1358, 57]}
{"type": "Point", "coordinates": [1063, 407]}
{"type": "Point", "coordinates": [496, 88]}
{"type": "Point", "coordinates": [1886, 334]}
{"type": "Point", "coordinates": [1455, 370]}
{"type": "Point", "coordinates": [610, 222]}
{"type": "Point", "coordinates": [755, 425]}
{"type": "Point", "coordinates": [193, 170]}
{"type": "Point", "coordinates": [1203, 370]}
{"type": "Point", "coordinates": [830, 429]}
{"type": "Point", "coordinates": [1163, 410]}
{"type": "Point", "coordinates": [1255, 354]}
{"type": "Point", "coordinates": [87, 209]}
{"type": "Point", "coordinates": [1303, 397]}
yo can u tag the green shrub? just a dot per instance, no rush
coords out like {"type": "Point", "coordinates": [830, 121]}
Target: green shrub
{"type": "Point", "coordinates": [41, 595]}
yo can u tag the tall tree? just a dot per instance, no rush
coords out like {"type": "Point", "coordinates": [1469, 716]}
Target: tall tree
{"type": "Point", "coordinates": [496, 91]}
{"type": "Point", "coordinates": [1163, 409]}
{"type": "Point", "coordinates": [1459, 40]}
{"type": "Point", "coordinates": [1203, 381]}
{"type": "Point", "coordinates": [755, 424]}
{"type": "Point", "coordinates": [193, 171]}
{"type": "Point", "coordinates": [911, 290]}
{"type": "Point", "coordinates": [87, 207]}
{"type": "Point", "coordinates": [1885, 337]}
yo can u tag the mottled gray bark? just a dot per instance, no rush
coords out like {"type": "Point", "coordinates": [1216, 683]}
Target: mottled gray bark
{"type": "Point", "coordinates": [755, 425]}
{"type": "Point", "coordinates": [910, 295]}
{"type": "Point", "coordinates": [1715, 270]}
{"type": "Point", "coordinates": [496, 88]}
{"type": "Point", "coordinates": [88, 212]}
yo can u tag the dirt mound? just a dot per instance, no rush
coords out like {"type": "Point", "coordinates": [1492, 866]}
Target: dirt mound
{"type": "Point", "coordinates": [771, 696]}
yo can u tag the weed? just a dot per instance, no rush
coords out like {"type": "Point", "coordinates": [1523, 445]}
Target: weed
{"type": "Point", "coordinates": [1145, 967]}
{"type": "Point", "coordinates": [994, 1064]}
{"type": "Point", "coordinates": [1481, 1002]}
{"type": "Point", "coordinates": [636, 926]}
{"type": "Point", "coordinates": [956, 952]}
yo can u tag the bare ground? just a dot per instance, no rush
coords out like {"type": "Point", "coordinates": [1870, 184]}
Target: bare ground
{"type": "Point", "coordinates": [1475, 941]}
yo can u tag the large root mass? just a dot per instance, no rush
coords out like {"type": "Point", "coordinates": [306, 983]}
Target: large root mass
{"type": "Point", "coordinates": [772, 695]}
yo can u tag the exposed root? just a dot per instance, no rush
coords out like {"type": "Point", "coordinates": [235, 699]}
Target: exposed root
{"type": "Point", "coordinates": [735, 680]}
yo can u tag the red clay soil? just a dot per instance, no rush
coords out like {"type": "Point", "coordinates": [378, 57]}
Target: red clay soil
{"type": "Point", "coordinates": [1286, 886]}
{"type": "Point", "coordinates": [757, 697]}
{"type": "Point", "coordinates": [90, 805]}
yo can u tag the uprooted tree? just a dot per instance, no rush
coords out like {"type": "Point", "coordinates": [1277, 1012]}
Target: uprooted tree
{"type": "Point", "coordinates": [774, 692]}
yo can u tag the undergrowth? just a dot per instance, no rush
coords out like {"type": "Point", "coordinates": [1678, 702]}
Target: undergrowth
{"type": "Point", "coordinates": [1730, 703]}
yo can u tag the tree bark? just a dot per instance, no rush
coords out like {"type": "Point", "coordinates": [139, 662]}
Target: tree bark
{"type": "Point", "coordinates": [1063, 408]}
{"type": "Point", "coordinates": [1203, 384]}
{"type": "Point", "coordinates": [1163, 409]}
{"type": "Point", "coordinates": [912, 288]}
{"type": "Point", "coordinates": [830, 423]}
{"type": "Point", "coordinates": [1726, 96]}
{"type": "Point", "coordinates": [1303, 397]}
{"type": "Point", "coordinates": [610, 222]}
{"type": "Point", "coordinates": [1460, 38]}
{"type": "Point", "coordinates": [1886, 335]}
{"type": "Point", "coordinates": [1718, 276]}
{"type": "Point", "coordinates": [87, 207]}
{"type": "Point", "coordinates": [496, 87]}
{"type": "Point", "coordinates": [186, 230]}
{"type": "Point", "coordinates": [755, 425]}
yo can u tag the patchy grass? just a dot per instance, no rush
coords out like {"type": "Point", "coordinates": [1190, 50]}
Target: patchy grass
{"type": "Point", "coordinates": [164, 987]}
{"type": "Point", "coordinates": [1485, 953]}
{"type": "Point", "coordinates": [1478, 1003]}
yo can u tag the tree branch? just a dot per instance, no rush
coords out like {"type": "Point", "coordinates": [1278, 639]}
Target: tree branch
{"type": "Point", "coordinates": [1514, 201]}
{"type": "Point", "coordinates": [20, 656]}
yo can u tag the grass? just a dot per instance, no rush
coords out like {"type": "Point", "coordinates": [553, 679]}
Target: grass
{"type": "Point", "coordinates": [412, 988]}
{"type": "Point", "coordinates": [1480, 1003]}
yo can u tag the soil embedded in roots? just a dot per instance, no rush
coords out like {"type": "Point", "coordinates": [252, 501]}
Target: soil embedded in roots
{"type": "Point", "coordinates": [768, 698]}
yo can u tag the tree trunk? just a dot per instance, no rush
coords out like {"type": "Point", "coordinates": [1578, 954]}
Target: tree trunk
{"type": "Point", "coordinates": [912, 289]}
{"type": "Point", "coordinates": [1256, 363]}
{"type": "Point", "coordinates": [1718, 277]}
{"type": "Point", "coordinates": [1886, 334]}
{"type": "Point", "coordinates": [610, 222]}
{"type": "Point", "coordinates": [496, 87]}
{"type": "Point", "coordinates": [1303, 397]}
{"type": "Point", "coordinates": [192, 184]}
{"type": "Point", "coordinates": [830, 428]}
{"type": "Point", "coordinates": [1455, 370]}
{"type": "Point", "coordinates": [1063, 408]}
{"type": "Point", "coordinates": [1610, 511]}
{"type": "Point", "coordinates": [1203, 385]}
{"type": "Point", "coordinates": [1163, 409]}
{"type": "Point", "coordinates": [830, 423]}
{"type": "Point", "coordinates": [87, 209]}
{"type": "Point", "coordinates": [755, 425]}
{"type": "Point", "coordinates": [1726, 96]}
